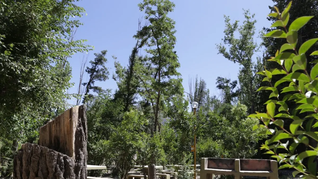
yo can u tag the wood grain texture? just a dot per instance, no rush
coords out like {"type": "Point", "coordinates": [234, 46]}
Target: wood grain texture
{"type": "Point", "coordinates": [62, 149]}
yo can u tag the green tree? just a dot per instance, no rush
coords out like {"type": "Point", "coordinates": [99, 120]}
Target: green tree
{"type": "Point", "coordinates": [241, 50]}
{"type": "Point", "coordinates": [127, 80]}
{"type": "Point", "coordinates": [97, 72]}
{"type": "Point", "coordinates": [227, 87]}
{"type": "Point", "coordinates": [126, 141]}
{"type": "Point", "coordinates": [158, 72]}
{"type": "Point", "coordinates": [36, 40]}
{"type": "Point", "coordinates": [229, 134]}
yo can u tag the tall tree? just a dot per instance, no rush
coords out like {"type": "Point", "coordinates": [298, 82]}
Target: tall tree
{"type": "Point", "coordinates": [158, 71]}
{"type": "Point", "coordinates": [241, 50]}
{"type": "Point", "coordinates": [127, 81]}
{"type": "Point", "coordinates": [97, 72]}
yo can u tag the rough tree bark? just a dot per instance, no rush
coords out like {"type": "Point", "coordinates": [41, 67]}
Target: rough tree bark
{"type": "Point", "coordinates": [62, 149]}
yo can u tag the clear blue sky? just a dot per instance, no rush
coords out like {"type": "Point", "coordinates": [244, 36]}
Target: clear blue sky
{"type": "Point", "coordinates": [110, 25]}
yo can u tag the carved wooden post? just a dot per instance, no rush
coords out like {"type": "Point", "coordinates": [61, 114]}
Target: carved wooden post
{"type": "Point", "coordinates": [62, 149]}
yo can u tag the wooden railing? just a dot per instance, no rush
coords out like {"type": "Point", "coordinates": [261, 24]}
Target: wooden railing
{"type": "Point", "coordinates": [238, 168]}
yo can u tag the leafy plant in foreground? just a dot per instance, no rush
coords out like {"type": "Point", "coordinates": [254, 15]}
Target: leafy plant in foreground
{"type": "Point", "coordinates": [291, 117]}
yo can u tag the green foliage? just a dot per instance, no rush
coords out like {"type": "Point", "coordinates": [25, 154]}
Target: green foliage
{"type": "Point", "coordinates": [36, 38]}
{"type": "Point", "coordinates": [97, 72]}
{"type": "Point", "coordinates": [36, 41]}
{"type": "Point", "coordinates": [241, 50]}
{"type": "Point", "coordinates": [225, 134]}
{"type": "Point", "coordinates": [157, 72]}
{"type": "Point", "coordinates": [126, 141]}
{"type": "Point", "coordinates": [291, 113]}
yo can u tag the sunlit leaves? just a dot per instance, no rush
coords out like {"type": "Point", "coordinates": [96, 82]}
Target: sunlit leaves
{"type": "Point", "coordinates": [271, 109]}
{"type": "Point", "coordinates": [292, 38]}
{"type": "Point", "coordinates": [298, 88]}
{"type": "Point", "coordinates": [286, 46]}
{"type": "Point", "coordinates": [306, 46]}
{"type": "Point", "coordinates": [276, 34]}
{"type": "Point", "coordinates": [314, 72]}
{"type": "Point", "coordinates": [299, 23]}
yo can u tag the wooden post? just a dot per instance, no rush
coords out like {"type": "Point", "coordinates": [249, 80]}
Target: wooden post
{"type": "Point", "coordinates": [237, 169]}
{"type": "Point", "coordinates": [62, 149]}
{"type": "Point", "coordinates": [152, 171]}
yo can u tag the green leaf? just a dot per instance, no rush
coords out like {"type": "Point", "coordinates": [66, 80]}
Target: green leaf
{"type": "Point", "coordinates": [286, 10]}
{"type": "Point", "coordinates": [275, 15]}
{"type": "Point", "coordinates": [286, 19]}
{"type": "Point", "coordinates": [314, 72]}
{"type": "Point", "coordinates": [299, 23]}
{"type": "Point", "coordinates": [276, 34]}
{"type": "Point", "coordinates": [313, 86]}
{"type": "Point", "coordinates": [266, 88]}
{"type": "Point", "coordinates": [297, 67]}
{"type": "Point", "coordinates": [306, 106]}
{"type": "Point", "coordinates": [273, 94]}
{"type": "Point", "coordinates": [294, 126]}
{"type": "Point", "coordinates": [289, 89]}
{"type": "Point", "coordinates": [305, 154]}
{"type": "Point", "coordinates": [301, 87]}
{"type": "Point", "coordinates": [288, 64]}
{"type": "Point", "coordinates": [286, 46]}
{"type": "Point", "coordinates": [312, 100]}
{"type": "Point", "coordinates": [271, 109]}
{"type": "Point", "coordinates": [292, 38]}
{"type": "Point", "coordinates": [298, 76]}
{"type": "Point", "coordinates": [283, 115]}
{"type": "Point", "coordinates": [278, 23]}
{"type": "Point", "coordinates": [306, 46]}
{"type": "Point", "coordinates": [293, 146]}
{"type": "Point", "coordinates": [295, 173]}
{"type": "Point", "coordinates": [261, 73]}
{"type": "Point", "coordinates": [303, 139]}
{"type": "Point", "coordinates": [301, 61]}
{"type": "Point", "coordinates": [314, 53]}
{"type": "Point", "coordinates": [312, 135]}
{"type": "Point", "coordinates": [269, 152]}
{"type": "Point", "coordinates": [279, 136]}
{"type": "Point", "coordinates": [279, 123]}
{"type": "Point", "coordinates": [315, 125]}
{"type": "Point", "coordinates": [285, 166]}
{"type": "Point", "coordinates": [268, 74]}
{"type": "Point", "coordinates": [285, 55]}
{"type": "Point", "coordinates": [283, 106]}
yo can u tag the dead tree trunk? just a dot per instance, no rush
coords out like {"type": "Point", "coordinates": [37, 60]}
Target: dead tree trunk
{"type": "Point", "coordinates": [62, 149]}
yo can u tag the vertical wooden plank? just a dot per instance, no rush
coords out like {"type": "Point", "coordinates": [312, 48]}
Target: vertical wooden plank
{"type": "Point", "coordinates": [237, 169]}
{"type": "Point", "coordinates": [274, 169]}
{"type": "Point", "coordinates": [59, 134]}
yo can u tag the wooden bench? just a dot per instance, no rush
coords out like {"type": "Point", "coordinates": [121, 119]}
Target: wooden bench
{"type": "Point", "coordinates": [238, 168]}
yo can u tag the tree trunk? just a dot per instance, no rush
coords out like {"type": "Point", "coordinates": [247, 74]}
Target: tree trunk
{"type": "Point", "coordinates": [62, 149]}
{"type": "Point", "coordinates": [38, 162]}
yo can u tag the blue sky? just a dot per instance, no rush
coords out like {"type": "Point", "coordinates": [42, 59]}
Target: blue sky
{"type": "Point", "coordinates": [110, 25]}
